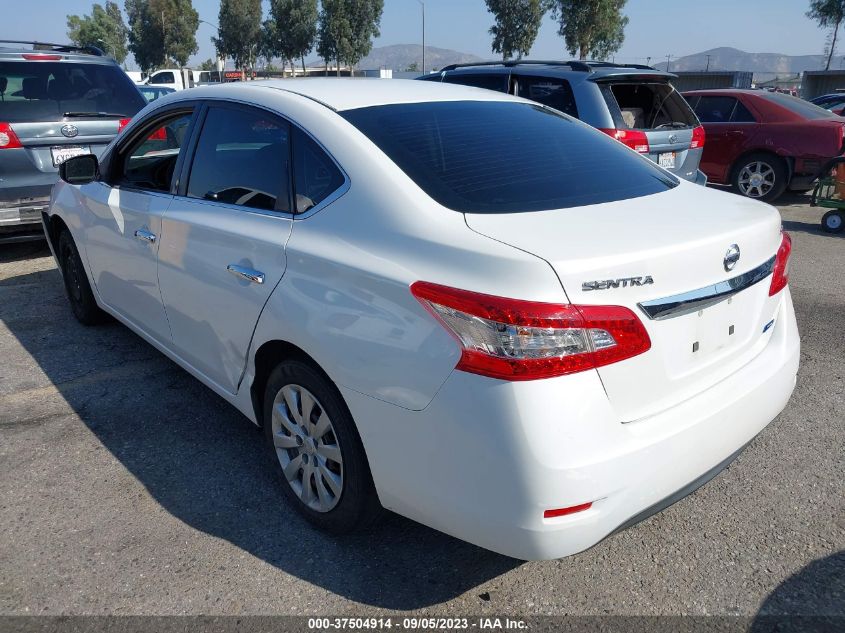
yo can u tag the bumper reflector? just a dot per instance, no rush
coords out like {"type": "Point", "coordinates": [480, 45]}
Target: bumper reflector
{"type": "Point", "coordinates": [559, 512]}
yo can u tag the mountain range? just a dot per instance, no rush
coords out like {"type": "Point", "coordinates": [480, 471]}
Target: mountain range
{"type": "Point", "coordinates": [401, 56]}
{"type": "Point", "coordinates": [761, 64]}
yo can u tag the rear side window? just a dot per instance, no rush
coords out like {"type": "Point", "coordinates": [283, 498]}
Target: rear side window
{"type": "Point", "coordinates": [503, 157]}
{"type": "Point", "coordinates": [316, 176]}
{"type": "Point", "coordinates": [715, 109]}
{"type": "Point", "coordinates": [648, 106]}
{"type": "Point", "coordinates": [488, 81]}
{"type": "Point", "coordinates": [741, 114]}
{"type": "Point", "coordinates": [242, 158]}
{"type": "Point", "coordinates": [46, 91]}
{"type": "Point", "coordinates": [555, 93]}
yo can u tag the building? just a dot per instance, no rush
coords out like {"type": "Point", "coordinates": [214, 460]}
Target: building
{"type": "Point", "coordinates": [705, 80]}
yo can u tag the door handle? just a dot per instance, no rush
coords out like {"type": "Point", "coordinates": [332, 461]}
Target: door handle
{"type": "Point", "coordinates": [250, 274]}
{"type": "Point", "coordinates": [145, 236]}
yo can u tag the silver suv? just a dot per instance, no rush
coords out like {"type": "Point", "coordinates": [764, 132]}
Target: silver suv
{"type": "Point", "coordinates": [56, 101]}
{"type": "Point", "coordinates": [634, 104]}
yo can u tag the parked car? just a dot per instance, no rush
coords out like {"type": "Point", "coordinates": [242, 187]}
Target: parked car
{"type": "Point", "coordinates": [834, 102]}
{"type": "Point", "coordinates": [453, 303]}
{"type": "Point", "coordinates": [151, 93]}
{"type": "Point", "coordinates": [762, 142]}
{"type": "Point", "coordinates": [55, 102]}
{"type": "Point", "coordinates": [634, 104]}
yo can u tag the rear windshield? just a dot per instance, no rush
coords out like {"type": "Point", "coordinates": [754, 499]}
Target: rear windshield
{"type": "Point", "coordinates": [45, 91]}
{"type": "Point", "coordinates": [501, 157]}
{"type": "Point", "coordinates": [798, 106]}
{"type": "Point", "coordinates": [648, 106]}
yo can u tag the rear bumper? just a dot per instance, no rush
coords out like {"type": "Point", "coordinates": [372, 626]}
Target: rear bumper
{"type": "Point", "coordinates": [485, 459]}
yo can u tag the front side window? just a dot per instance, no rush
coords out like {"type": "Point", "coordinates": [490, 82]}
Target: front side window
{"type": "Point", "coordinates": [555, 93]}
{"type": "Point", "coordinates": [242, 158]}
{"type": "Point", "coordinates": [163, 78]}
{"type": "Point", "coordinates": [149, 162]}
{"type": "Point", "coordinates": [505, 157]}
{"type": "Point", "coordinates": [315, 174]}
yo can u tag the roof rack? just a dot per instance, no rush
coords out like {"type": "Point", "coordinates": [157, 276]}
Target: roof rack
{"type": "Point", "coordinates": [574, 65]}
{"type": "Point", "coordinates": [59, 48]}
{"type": "Point", "coordinates": [613, 65]}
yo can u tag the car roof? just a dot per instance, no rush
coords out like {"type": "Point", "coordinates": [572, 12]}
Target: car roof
{"type": "Point", "coordinates": [592, 70]}
{"type": "Point", "coordinates": [13, 50]}
{"type": "Point", "coordinates": [352, 93]}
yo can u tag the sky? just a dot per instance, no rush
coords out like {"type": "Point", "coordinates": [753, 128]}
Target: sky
{"type": "Point", "coordinates": [657, 28]}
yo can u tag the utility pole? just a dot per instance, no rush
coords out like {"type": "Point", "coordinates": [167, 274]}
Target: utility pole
{"type": "Point", "coordinates": [708, 64]}
{"type": "Point", "coordinates": [668, 61]}
{"type": "Point", "coordinates": [648, 61]}
{"type": "Point", "coordinates": [422, 5]}
{"type": "Point", "coordinates": [163, 40]}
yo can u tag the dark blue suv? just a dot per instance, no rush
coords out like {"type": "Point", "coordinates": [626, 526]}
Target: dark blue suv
{"type": "Point", "coordinates": [635, 104]}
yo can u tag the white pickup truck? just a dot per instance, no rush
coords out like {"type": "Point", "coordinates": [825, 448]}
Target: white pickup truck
{"type": "Point", "coordinates": [176, 78]}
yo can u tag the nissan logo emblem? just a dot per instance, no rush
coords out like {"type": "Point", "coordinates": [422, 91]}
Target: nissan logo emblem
{"type": "Point", "coordinates": [70, 130]}
{"type": "Point", "coordinates": [731, 257]}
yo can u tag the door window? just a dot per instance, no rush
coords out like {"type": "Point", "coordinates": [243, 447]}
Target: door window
{"type": "Point", "coordinates": [149, 162]}
{"type": "Point", "coordinates": [715, 109]}
{"type": "Point", "coordinates": [163, 78]}
{"type": "Point", "coordinates": [555, 93]}
{"type": "Point", "coordinates": [242, 158]}
{"type": "Point", "coordinates": [488, 81]}
{"type": "Point", "coordinates": [741, 114]}
{"type": "Point", "coordinates": [315, 174]}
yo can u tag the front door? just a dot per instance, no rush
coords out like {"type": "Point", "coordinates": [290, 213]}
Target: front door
{"type": "Point", "coordinates": [223, 238]}
{"type": "Point", "coordinates": [124, 222]}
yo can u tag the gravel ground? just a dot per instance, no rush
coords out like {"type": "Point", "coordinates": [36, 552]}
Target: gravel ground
{"type": "Point", "coordinates": [126, 487]}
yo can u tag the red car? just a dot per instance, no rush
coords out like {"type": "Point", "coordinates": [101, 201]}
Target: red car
{"type": "Point", "coordinates": [763, 142]}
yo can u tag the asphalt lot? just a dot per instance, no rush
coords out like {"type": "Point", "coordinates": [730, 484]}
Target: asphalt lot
{"type": "Point", "coordinates": [126, 487]}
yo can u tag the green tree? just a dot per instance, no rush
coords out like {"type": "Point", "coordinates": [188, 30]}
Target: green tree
{"type": "Point", "coordinates": [828, 14]}
{"type": "Point", "coordinates": [333, 31]}
{"type": "Point", "coordinates": [590, 28]}
{"type": "Point", "coordinates": [413, 67]}
{"type": "Point", "coordinates": [295, 28]}
{"type": "Point", "coordinates": [240, 32]}
{"type": "Point", "coordinates": [517, 25]}
{"type": "Point", "coordinates": [208, 64]}
{"type": "Point", "coordinates": [104, 28]}
{"type": "Point", "coordinates": [162, 32]}
{"type": "Point", "coordinates": [347, 29]}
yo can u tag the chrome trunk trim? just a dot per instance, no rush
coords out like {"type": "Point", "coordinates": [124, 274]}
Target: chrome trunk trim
{"type": "Point", "coordinates": [694, 300]}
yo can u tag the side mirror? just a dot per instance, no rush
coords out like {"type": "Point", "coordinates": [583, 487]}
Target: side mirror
{"type": "Point", "coordinates": [80, 170]}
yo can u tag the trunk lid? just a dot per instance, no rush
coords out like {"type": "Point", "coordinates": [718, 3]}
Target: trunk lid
{"type": "Point", "coordinates": [47, 145]}
{"type": "Point", "coordinates": [669, 244]}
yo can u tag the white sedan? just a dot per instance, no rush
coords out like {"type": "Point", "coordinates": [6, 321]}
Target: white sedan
{"type": "Point", "coordinates": [458, 305]}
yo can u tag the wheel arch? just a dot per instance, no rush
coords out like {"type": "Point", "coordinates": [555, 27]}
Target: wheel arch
{"type": "Point", "coordinates": [785, 160]}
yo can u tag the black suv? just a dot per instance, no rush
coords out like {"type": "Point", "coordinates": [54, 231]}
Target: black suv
{"type": "Point", "coordinates": [56, 101]}
{"type": "Point", "coordinates": [635, 104]}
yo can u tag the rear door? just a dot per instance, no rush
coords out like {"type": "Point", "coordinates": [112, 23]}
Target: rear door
{"type": "Point", "coordinates": [657, 110]}
{"type": "Point", "coordinates": [730, 127]}
{"type": "Point", "coordinates": [57, 108]}
{"type": "Point", "coordinates": [223, 238]}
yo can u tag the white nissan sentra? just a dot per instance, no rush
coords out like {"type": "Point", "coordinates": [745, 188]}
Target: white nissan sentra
{"type": "Point", "coordinates": [461, 306]}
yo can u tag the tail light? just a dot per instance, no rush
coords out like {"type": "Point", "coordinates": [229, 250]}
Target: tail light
{"type": "Point", "coordinates": [159, 135]}
{"type": "Point", "coordinates": [698, 137]}
{"type": "Point", "coordinates": [780, 274]}
{"type": "Point", "coordinates": [634, 139]}
{"type": "Point", "coordinates": [512, 339]}
{"type": "Point", "coordinates": [8, 138]}
{"type": "Point", "coordinates": [122, 124]}
{"type": "Point", "coordinates": [562, 512]}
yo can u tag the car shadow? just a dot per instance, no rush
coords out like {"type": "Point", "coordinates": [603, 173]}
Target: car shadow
{"type": "Point", "coordinates": [812, 599]}
{"type": "Point", "coordinates": [813, 228]}
{"type": "Point", "coordinates": [206, 464]}
{"type": "Point", "coordinates": [16, 252]}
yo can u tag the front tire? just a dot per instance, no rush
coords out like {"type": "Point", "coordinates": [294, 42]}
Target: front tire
{"type": "Point", "coordinates": [79, 294]}
{"type": "Point", "coordinates": [832, 221]}
{"type": "Point", "coordinates": [316, 449]}
{"type": "Point", "coordinates": [760, 176]}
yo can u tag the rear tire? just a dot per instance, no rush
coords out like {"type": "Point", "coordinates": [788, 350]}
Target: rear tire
{"type": "Point", "coordinates": [317, 451]}
{"type": "Point", "coordinates": [760, 176]}
{"type": "Point", "coordinates": [833, 221]}
{"type": "Point", "coordinates": [82, 302]}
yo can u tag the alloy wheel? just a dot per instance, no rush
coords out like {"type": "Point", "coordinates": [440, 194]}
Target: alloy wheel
{"type": "Point", "coordinates": [307, 448]}
{"type": "Point", "coordinates": [756, 179]}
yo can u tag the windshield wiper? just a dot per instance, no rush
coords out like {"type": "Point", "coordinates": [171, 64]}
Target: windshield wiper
{"type": "Point", "coordinates": [116, 115]}
{"type": "Point", "coordinates": [674, 125]}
